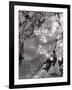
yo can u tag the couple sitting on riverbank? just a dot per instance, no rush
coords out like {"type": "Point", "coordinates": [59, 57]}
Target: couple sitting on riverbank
{"type": "Point", "coordinates": [52, 61]}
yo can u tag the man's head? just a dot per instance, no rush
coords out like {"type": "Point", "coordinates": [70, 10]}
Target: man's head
{"type": "Point", "coordinates": [53, 51]}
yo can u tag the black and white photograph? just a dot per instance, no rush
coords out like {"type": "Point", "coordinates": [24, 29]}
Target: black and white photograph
{"type": "Point", "coordinates": [40, 44]}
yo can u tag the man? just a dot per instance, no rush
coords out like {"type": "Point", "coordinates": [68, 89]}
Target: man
{"type": "Point", "coordinates": [48, 63]}
{"type": "Point", "coordinates": [54, 58]}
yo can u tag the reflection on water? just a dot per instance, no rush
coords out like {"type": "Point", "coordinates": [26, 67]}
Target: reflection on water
{"type": "Point", "coordinates": [29, 68]}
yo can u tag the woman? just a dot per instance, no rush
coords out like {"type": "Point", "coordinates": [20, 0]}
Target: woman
{"type": "Point", "coordinates": [48, 63]}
